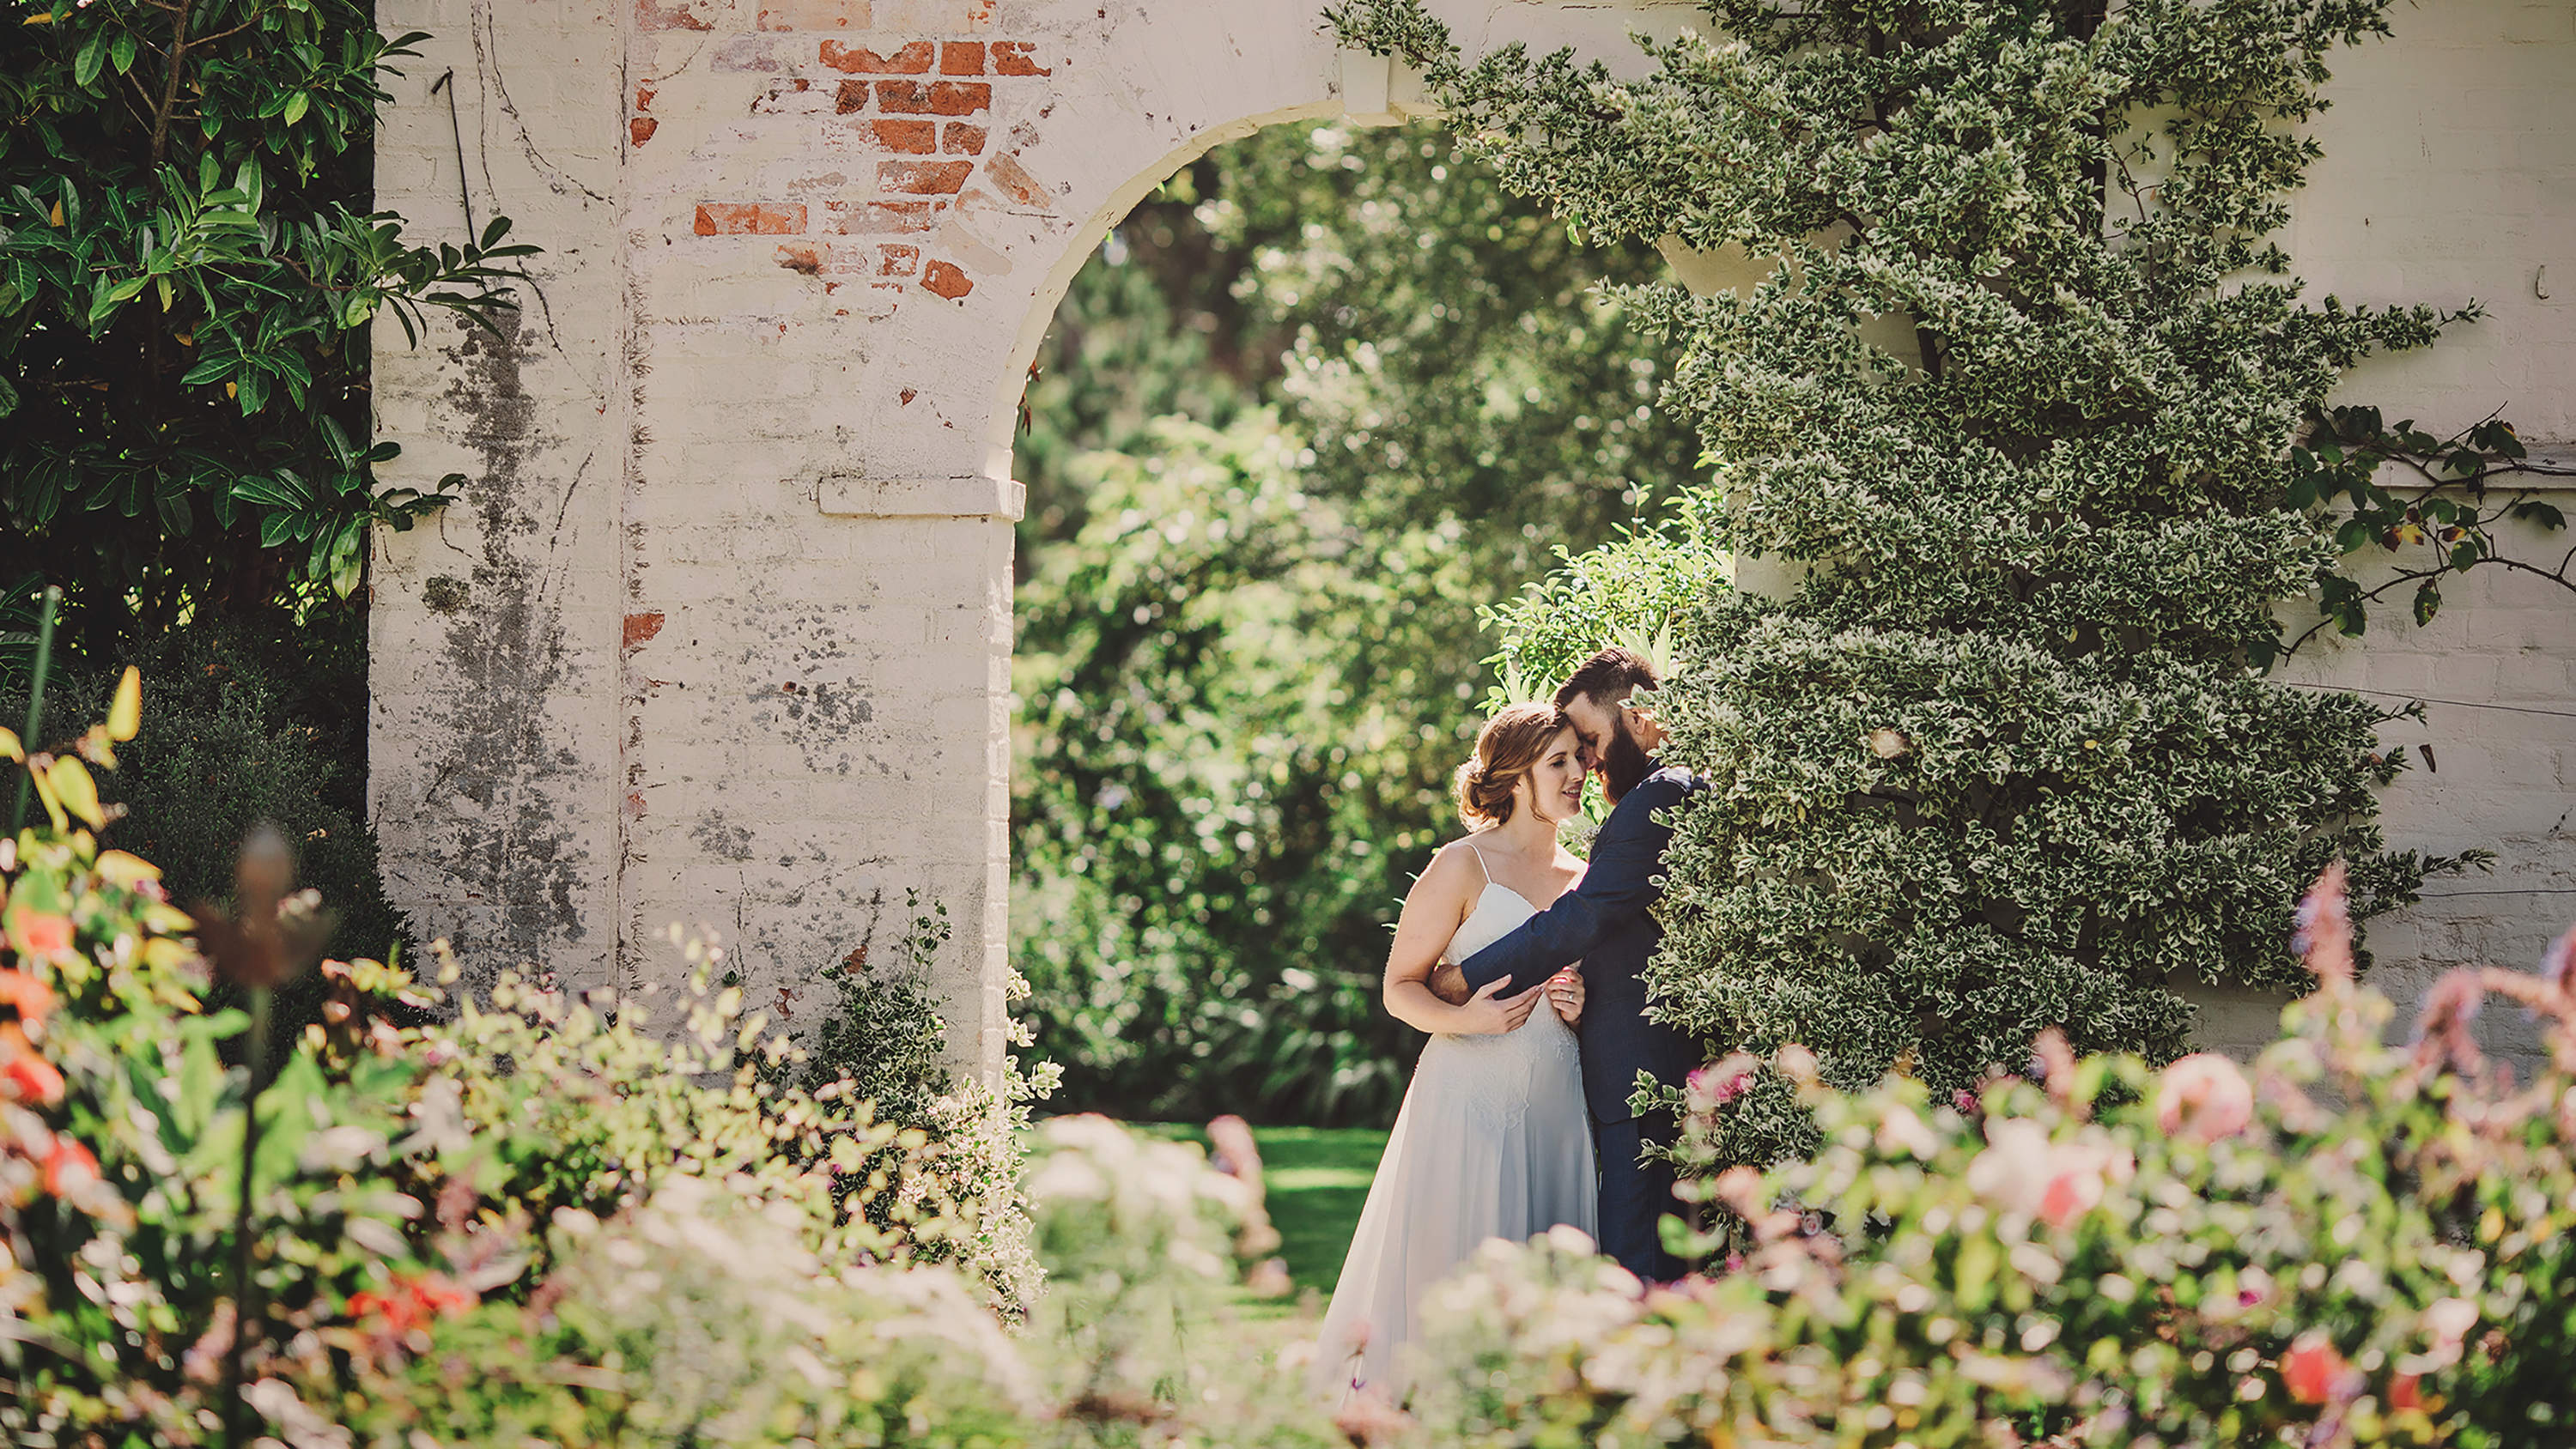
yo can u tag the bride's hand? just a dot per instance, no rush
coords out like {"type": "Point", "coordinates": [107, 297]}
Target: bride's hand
{"type": "Point", "coordinates": [1565, 994]}
{"type": "Point", "coordinates": [1489, 1014]}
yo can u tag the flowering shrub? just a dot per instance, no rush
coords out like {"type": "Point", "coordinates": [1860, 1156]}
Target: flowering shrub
{"type": "Point", "coordinates": [409, 1183]}
{"type": "Point", "coordinates": [701, 1317]}
{"type": "Point", "coordinates": [881, 1041]}
{"type": "Point", "coordinates": [2350, 1243]}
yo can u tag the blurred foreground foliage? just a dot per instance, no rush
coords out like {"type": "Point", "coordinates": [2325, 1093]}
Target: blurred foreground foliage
{"type": "Point", "coordinates": [558, 1219]}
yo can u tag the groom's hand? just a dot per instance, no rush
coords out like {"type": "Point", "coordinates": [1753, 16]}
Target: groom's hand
{"type": "Point", "coordinates": [1449, 984]}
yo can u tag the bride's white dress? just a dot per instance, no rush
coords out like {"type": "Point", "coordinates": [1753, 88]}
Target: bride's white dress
{"type": "Point", "coordinates": [1493, 1142]}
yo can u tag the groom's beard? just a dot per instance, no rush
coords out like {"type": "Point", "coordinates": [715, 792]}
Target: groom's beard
{"type": "Point", "coordinates": [1623, 762]}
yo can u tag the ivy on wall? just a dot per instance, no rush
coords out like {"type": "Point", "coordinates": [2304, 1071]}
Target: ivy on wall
{"type": "Point", "coordinates": [2021, 405]}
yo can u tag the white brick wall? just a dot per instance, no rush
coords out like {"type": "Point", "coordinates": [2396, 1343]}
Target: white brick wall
{"type": "Point", "coordinates": [719, 633]}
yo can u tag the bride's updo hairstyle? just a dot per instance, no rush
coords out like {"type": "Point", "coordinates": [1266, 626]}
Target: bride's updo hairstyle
{"type": "Point", "coordinates": [1506, 749]}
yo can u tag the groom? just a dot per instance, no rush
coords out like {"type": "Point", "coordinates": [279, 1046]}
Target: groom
{"type": "Point", "coordinates": [1605, 923]}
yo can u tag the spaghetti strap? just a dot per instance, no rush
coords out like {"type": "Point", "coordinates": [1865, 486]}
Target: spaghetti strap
{"type": "Point", "coordinates": [1470, 842]}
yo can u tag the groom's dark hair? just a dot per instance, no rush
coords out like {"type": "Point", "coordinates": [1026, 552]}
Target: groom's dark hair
{"type": "Point", "coordinates": [1607, 677]}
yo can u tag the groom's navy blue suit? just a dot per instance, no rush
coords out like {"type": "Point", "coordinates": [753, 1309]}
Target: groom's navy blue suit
{"type": "Point", "coordinates": [1605, 923]}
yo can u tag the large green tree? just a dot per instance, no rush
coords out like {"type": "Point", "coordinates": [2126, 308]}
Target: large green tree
{"type": "Point", "coordinates": [1249, 647]}
{"type": "Point", "coordinates": [189, 264]}
{"type": "Point", "coordinates": [2011, 408]}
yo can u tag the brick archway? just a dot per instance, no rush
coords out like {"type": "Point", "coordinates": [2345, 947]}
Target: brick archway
{"type": "Point", "coordinates": [720, 632]}
{"type": "Point", "coordinates": [720, 629]}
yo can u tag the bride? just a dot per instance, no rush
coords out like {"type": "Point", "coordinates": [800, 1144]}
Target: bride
{"type": "Point", "coordinates": [1493, 1140]}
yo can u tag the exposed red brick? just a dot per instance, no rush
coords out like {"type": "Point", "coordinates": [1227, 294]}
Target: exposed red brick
{"type": "Point", "coordinates": [641, 129]}
{"type": "Point", "coordinates": [815, 15]}
{"type": "Point", "coordinates": [853, 96]}
{"type": "Point", "coordinates": [919, 138]}
{"type": "Point", "coordinates": [897, 260]}
{"type": "Point", "coordinates": [759, 218]}
{"type": "Point", "coordinates": [924, 178]}
{"type": "Point", "coordinates": [1005, 171]}
{"type": "Point", "coordinates": [937, 98]}
{"type": "Point", "coordinates": [908, 395]}
{"type": "Point", "coordinates": [806, 257]}
{"type": "Point", "coordinates": [913, 59]}
{"type": "Point", "coordinates": [635, 804]}
{"type": "Point", "coordinates": [962, 57]}
{"type": "Point", "coordinates": [886, 217]}
{"type": "Point", "coordinates": [650, 16]}
{"type": "Point", "coordinates": [643, 98]}
{"type": "Point", "coordinates": [640, 627]}
{"type": "Point", "coordinates": [946, 280]}
{"type": "Point", "coordinates": [1013, 57]}
{"type": "Point", "coordinates": [961, 139]}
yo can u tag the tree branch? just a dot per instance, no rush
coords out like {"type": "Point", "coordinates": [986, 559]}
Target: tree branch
{"type": "Point", "coordinates": [170, 82]}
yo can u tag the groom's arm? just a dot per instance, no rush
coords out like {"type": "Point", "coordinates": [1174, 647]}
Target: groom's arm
{"type": "Point", "coordinates": [1618, 885]}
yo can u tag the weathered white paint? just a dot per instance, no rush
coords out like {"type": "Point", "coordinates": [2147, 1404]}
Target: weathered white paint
{"type": "Point", "coordinates": [721, 631]}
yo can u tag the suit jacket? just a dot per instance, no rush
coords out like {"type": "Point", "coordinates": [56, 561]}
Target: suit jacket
{"type": "Point", "coordinates": [1606, 923]}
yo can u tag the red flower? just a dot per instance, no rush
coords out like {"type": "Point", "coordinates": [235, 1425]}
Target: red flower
{"type": "Point", "coordinates": [69, 1168]}
{"type": "Point", "coordinates": [2311, 1368]}
{"type": "Point", "coordinates": [36, 933]}
{"type": "Point", "coordinates": [30, 1078]}
{"type": "Point", "coordinates": [2405, 1392]}
{"type": "Point", "coordinates": [411, 1302]}
{"type": "Point", "coordinates": [30, 996]}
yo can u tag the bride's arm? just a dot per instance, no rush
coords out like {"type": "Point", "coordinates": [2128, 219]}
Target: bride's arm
{"type": "Point", "coordinates": [1433, 910]}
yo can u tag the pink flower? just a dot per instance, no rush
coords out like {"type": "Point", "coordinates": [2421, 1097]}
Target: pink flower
{"type": "Point", "coordinates": [2055, 1182]}
{"type": "Point", "coordinates": [2204, 1096]}
{"type": "Point", "coordinates": [2072, 1191]}
{"type": "Point", "coordinates": [1723, 1080]}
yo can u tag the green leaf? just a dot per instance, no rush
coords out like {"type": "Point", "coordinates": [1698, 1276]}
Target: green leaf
{"type": "Point", "coordinates": [286, 492]}
{"type": "Point", "coordinates": [125, 48]}
{"type": "Point", "coordinates": [2428, 602]}
{"type": "Point", "coordinates": [295, 105]}
{"type": "Point", "coordinates": [91, 60]}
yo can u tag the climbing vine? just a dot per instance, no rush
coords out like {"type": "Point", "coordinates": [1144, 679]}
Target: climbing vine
{"type": "Point", "coordinates": [2015, 409]}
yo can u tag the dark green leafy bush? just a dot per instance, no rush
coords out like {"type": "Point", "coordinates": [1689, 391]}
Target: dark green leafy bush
{"type": "Point", "coordinates": [189, 268]}
{"type": "Point", "coordinates": [246, 721]}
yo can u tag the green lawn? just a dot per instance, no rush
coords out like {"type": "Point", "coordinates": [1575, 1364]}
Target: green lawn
{"type": "Point", "coordinates": [1317, 1179]}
